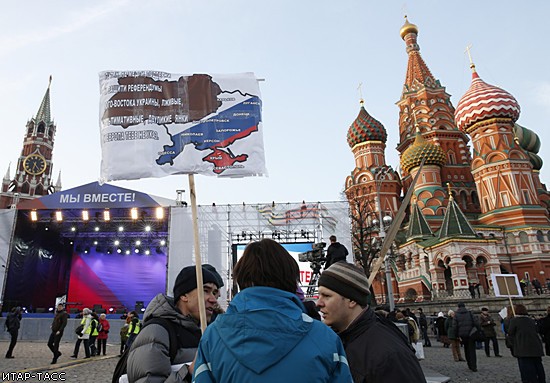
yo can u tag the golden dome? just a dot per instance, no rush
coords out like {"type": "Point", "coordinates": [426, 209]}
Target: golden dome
{"type": "Point", "coordinates": [412, 157]}
{"type": "Point", "coordinates": [407, 28]}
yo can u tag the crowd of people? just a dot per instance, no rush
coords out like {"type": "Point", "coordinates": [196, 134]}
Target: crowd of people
{"type": "Point", "coordinates": [270, 332]}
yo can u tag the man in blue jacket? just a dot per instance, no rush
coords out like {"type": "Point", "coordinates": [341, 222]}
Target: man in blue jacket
{"type": "Point", "coordinates": [265, 335]}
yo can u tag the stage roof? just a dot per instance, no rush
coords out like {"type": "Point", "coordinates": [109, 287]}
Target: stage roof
{"type": "Point", "coordinates": [95, 196]}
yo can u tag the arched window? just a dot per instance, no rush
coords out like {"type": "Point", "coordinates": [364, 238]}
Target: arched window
{"type": "Point", "coordinates": [540, 236]}
{"type": "Point", "coordinates": [523, 237]}
{"type": "Point", "coordinates": [41, 128]}
{"type": "Point", "coordinates": [452, 158]}
{"type": "Point", "coordinates": [463, 200]}
{"type": "Point", "coordinates": [475, 199]}
{"type": "Point", "coordinates": [511, 238]}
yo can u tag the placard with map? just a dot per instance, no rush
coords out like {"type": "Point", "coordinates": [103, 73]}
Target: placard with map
{"type": "Point", "coordinates": [155, 124]}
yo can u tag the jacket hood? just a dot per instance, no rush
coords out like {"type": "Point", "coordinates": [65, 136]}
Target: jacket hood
{"type": "Point", "coordinates": [162, 306]}
{"type": "Point", "coordinates": [262, 325]}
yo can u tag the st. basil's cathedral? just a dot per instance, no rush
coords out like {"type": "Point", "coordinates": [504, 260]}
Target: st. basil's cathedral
{"type": "Point", "coordinates": [478, 206]}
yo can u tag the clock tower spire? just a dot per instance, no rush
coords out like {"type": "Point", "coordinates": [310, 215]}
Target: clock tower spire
{"type": "Point", "coordinates": [33, 174]}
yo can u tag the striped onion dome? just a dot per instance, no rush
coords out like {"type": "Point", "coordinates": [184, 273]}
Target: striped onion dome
{"type": "Point", "coordinates": [483, 101]}
{"type": "Point", "coordinates": [529, 141]}
{"type": "Point", "coordinates": [366, 128]}
{"type": "Point", "coordinates": [412, 157]}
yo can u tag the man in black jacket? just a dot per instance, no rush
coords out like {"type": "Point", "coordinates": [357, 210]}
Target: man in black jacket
{"type": "Point", "coordinates": [376, 349]}
{"type": "Point", "coordinates": [58, 325]}
{"type": "Point", "coordinates": [336, 252]}
{"type": "Point", "coordinates": [465, 322]}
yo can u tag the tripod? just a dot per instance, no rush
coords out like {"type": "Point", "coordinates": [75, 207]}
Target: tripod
{"type": "Point", "coordinates": [316, 267]}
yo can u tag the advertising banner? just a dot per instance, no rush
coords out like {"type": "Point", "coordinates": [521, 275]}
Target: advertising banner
{"type": "Point", "coordinates": [154, 124]}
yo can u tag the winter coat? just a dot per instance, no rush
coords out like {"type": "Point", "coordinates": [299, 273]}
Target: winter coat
{"type": "Point", "coordinates": [524, 337]}
{"type": "Point", "coordinates": [488, 325]}
{"type": "Point", "coordinates": [13, 321]}
{"type": "Point", "coordinates": [336, 252]}
{"type": "Point", "coordinates": [464, 322]}
{"type": "Point", "coordinates": [149, 356]}
{"type": "Point", "coordinates": [59, 321]}
{"type": "Point", "coordinates": [544, 328]}
{"type": "Point", "coordinates": [87, 322]}
{"type": "Point", "coordinates": [266, 336]}
{"type": "Point", "coordinates": [440, 323]}
{"type": "Point", "coordinates": [378, 352]}
{"type": "Point", "coordinates": [450, 328]}
{"type": "Point", "coordinates": [105, 326]}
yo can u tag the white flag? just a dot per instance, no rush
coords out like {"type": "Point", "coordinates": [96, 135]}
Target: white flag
{"type": "Point", "coordinates": [154, 124]}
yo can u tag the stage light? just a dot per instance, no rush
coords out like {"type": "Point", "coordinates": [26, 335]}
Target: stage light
{"type": "Point", "coordinates": [106, 215]}
{"type": "Point", "coordinates": [96, 228]}
{"type": "Point", "coordinates": [86, 250]}
{"type": "Point", "coordinates": [73, 229]}
{"type": "Point", "coordinates": [119, 250]}
{"type": "Point", "coordinates": [117, 242]}
{"type": "Point", "coordinates": [127, 252]}
{"type": "Point", "coordinates": [138, 242]}
{"type": "Point", "coordinates": [147, 252]}
{"type": "Point", "coordinates": [136, 251]}
{"type": "Point", "coordinates": [134, 213]}
{"type": "Point", "coordinates": [109, 250]}
{"type": "Point", "coordinates": [111, 309]}
{"type": "Point", "coordinates": [159, 213]}
{"type": "Point", "coordinates": [162, 242]}
{"type": "Point", "coordinates": [46, 228]}
{"type": "Point", "coordinates": [58, 216]}
{"type": "Point", "coordinates": [85, 215]}
{"type": "Point", "coordinates": [148, 228]}
{"type": "Point", "coordinates": [34, 216]}
{"type": "Point", "coordinates": [121, 228]}
{"type": "Point", "coordinates": [95, 243]}
{"type": "Point", "coordinates": [50, 309]}
{"type": "Point", "coordinates": [143, 309]}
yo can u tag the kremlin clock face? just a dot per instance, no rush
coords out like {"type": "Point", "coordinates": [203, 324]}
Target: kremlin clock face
{"type": "Point", "coordinates": [34, 164]}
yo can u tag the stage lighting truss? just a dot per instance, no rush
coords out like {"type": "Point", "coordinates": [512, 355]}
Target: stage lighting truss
{"type": "Point", "coordinates": [286, 236]}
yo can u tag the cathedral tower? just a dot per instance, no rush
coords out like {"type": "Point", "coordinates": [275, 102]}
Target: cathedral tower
{"type": "Point", "coordinates": [502, 169]}
{"type": "Point", "coordinates": [424, 102]}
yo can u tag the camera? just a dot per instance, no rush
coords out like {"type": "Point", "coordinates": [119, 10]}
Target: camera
{"type": "Point", "coordinates": [315, 254]}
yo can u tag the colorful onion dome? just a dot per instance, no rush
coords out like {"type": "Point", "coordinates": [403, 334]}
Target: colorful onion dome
{"type": "Point", "coordinates": [366, 128]}
{"type": "Point", "coordinates": [527, 139]}
{"type": "Point", "coordinates": [407, 28]}
{"type": "Point", "coordinates": [535, 160]}
{"type": "Point", "coordinates": [483, 101]}
{"type": "Point", "coordinates": [412, 157]}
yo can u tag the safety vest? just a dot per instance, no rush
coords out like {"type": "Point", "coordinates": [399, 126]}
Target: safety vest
{"type": "Point", "coordinates": [136, 328]}
{"type": "Point", "coordinates": [95, 332]}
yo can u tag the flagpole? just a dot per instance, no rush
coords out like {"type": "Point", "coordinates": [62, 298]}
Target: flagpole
{"type": "Point", "coordinates": [198, 262]}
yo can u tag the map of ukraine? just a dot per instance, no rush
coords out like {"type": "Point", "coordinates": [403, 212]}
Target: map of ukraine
{"type": "Point", "coordinates": [189, 100]}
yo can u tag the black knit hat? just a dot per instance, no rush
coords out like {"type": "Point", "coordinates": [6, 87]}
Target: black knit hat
{"type": "Point", "coordinates": [213, 270]}
{"type": "Point", "coordinates": [347, 280]}
{"type": "Point", "coordinates": [187, 280]}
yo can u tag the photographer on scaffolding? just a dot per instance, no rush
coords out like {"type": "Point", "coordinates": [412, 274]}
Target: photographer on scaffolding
{"type": "Point", "coordinates": [336, 252]}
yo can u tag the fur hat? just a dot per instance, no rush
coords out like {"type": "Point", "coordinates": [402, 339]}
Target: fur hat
{"type": "Point", "coordinates": [347, 280]}
{"type": "Point", "coordinates": [187, 280]}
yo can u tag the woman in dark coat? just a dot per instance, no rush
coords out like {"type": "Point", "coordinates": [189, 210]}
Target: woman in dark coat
{"type": "Point", "coordinates": [440, 324]}
{"type": "Point", "coordinates": [527, 346]}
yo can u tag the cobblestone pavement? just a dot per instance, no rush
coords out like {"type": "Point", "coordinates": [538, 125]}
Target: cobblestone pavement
{"type": "Point", "coordinates": [33, 358]}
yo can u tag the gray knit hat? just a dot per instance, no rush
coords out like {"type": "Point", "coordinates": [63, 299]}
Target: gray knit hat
{"type": "Point", "coordinates": [347, 280]}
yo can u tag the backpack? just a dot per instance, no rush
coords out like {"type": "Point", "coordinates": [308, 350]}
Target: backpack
{"type": "Point", "coordinates": [120, 368]}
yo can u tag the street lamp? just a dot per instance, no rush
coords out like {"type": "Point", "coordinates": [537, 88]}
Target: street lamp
{"type": "Point", "coordinates": [380, 174]}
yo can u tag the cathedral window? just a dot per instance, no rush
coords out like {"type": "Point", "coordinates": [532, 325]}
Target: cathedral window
{"type": "Point", "coordinates": [526, 197]}
{"type": "Point", "coordinates": [540, 236]}
{"type": "Point", "coordinates": [511, 239]}
{"type": "Point", "coordinates": [41, 128]}
{"type": "Point", "coordinates": [463, 200]}
{"type": "Point", "coordinates": [523, 237]}
{"type": "Point", "coordinates": [452, 158]}
{"type": "Point", "coordinates": [505, 199]}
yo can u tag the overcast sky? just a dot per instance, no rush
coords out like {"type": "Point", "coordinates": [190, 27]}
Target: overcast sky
{"type": "Point", "coordinates": [312, 55]}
